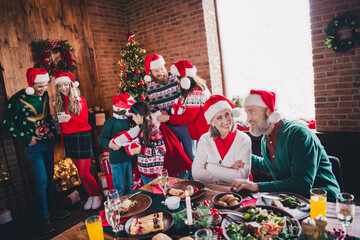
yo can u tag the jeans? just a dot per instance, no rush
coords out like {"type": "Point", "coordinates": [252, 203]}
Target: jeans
{"type": "Point", "coordinates": [41, 160]}
{"type": "Point", "coordinates": [146, 180]}
{"type": "Point", "coordinates": [122, 177]}
{"type": "Point", "coordinates": [182, 133]}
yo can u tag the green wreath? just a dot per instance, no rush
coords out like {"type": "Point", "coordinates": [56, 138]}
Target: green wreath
{"type": "Point", "coordinates": [333, 41]}
{"type": "Point", "coordinates": [44, 50]}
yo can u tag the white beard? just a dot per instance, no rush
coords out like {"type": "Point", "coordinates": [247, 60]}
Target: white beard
{"type": "Point", "coordinates": [260, 128]}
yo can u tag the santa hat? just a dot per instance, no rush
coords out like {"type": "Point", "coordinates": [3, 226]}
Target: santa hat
{"type": "Point", "coordinates": [185, 69]}
{"type": "Point", "coordinates": [264, 99]}
{"type": "Point", "coordinates": [35, 75]}
{"type": "Point", "coordinates": [218, 103]}
{"type": "Point", "coordinates": [122, 102]}
{"type": "Point", "coordinates": [152, 62]}
{"type": "Point", "coordinates": [66, 77]}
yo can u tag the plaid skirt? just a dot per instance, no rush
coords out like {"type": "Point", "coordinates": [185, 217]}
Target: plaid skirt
{"type": "Point", "coordinates": [78, 145]}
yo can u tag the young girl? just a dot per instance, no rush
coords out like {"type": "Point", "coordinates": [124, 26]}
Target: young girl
{"type": "Point", "coordinates": [151, 149]}
{"type": "Point", "coordinates": [72, 114]}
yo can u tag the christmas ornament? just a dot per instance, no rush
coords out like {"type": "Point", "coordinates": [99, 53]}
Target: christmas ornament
{"type": "Point", "coordinates": [129, 36]}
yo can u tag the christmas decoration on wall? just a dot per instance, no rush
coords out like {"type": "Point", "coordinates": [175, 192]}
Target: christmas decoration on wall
{"type": "Point", "coordinates": [334, 41]}
{"type": "Point", "coordinates": [65, 175]}
{"type": "Point", "coordinates": [54, 56]}
{"type": "Point", "coordinates": [132, 70]}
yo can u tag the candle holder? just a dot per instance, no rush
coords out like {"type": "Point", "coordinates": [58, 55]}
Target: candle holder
{"type": "Point", "coordinates": [190, 226]}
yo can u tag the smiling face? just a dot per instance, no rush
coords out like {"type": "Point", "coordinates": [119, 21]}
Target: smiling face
{"type": "Point", "coordinates": [64, 88]}
{"type": "Point", "coordinates": [40, 88]}
{"type": "Point", "coordinates": [223, 122]}
{"type": "Point", "coordinates": [160, 74]}
{"type": "Point", "coordinates": [257, 118]}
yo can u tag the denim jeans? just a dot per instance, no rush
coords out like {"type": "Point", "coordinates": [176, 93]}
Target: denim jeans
{"type": "Point", "coordinates": [41, 160]}
{"type": "Point", "coordinates": [122, 177]}
{"type": "Point", "coordinates": [182, 133]}
{"type": "Point", "coordinates": [146, 180]}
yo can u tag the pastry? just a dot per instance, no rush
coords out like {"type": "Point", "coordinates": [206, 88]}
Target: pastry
{"type": "Point", "coordinates": [150, 223]}
{"type": "Point", "coordinates": [232, 203]}
{"type": "Point", "coordinates": [221, 203]}
{"type": "Point", "coordinates": [190, 190]}
{"type": "Point", "coordinates": [176, 192]}
{"type": "Point", "coordinates": [226, 197]}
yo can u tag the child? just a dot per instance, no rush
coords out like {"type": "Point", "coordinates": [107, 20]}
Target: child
{"type": "Point", "coordinates": [120, 161]}
{"type": "Point", "coordinates": [151, 149]}
{"type": "Point", "coordinates": [73, 118]}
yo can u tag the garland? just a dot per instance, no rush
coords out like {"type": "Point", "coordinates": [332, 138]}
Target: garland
{"type": "Point", "coordinates": [333, 41]}
{"type": "Point", "coordinates": [45, 48]}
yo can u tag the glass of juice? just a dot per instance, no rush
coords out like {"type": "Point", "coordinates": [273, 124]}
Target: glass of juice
{"type": "Point", "coordinates": [317, 202]}
{"type": "Point", "coordinates": [94, 228]}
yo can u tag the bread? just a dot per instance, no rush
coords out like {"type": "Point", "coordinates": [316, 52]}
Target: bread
{"type": "Point", "coordinates": [226, 197]}
{"type": "Point", "coordinates": [177, 192]}
{"type": "Point", "coordinates": [150, 223]}
{"type": "Point", "coordinates": [221, 203]}
{"type": "Point", "coordinates": [161, 236]}
{"type": "Point", "coordinates": [233, 203]}
{"type": "Point", "coordinates": [277, 204]}
{"type": "Point", "coordinates": [190, 190]}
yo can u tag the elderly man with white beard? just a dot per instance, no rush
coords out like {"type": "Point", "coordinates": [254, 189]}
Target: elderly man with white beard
{"type": "Point", "coordinates": [291, 153]}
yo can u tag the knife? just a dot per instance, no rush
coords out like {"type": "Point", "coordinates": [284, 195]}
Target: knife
{"type": "Point", "coordinates": [270, 197]}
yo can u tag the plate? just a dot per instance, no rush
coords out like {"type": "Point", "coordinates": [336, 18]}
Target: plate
{"type": "Point", "coordinates": [167, 218]}
{"type": "Point", "coordinates": [143, 203]}
{"type": "Point", "coordinates": [299, 214]}
{"type": "Point", "coordinates": [239, 213]}
{"type": "Point", "coordinates": [216, 198]}
{"type": "Point", "coordinates": [196, 184]}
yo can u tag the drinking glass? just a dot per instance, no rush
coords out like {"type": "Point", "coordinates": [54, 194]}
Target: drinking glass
{"type": "Point", "coordinates": [345, 209]}
{"type": "Point", "coordinates": [163, 178]}
{"type": "Point", "coordinates": [203, 234]}
{"type": "Point", "coordinates": [317, 202]}
{"type": "Point", "coordinates": [112, 195]}
{"type": "Point", "coordinates": [112, 213]}
{"type": "Point", "coordinates": [94, 228]}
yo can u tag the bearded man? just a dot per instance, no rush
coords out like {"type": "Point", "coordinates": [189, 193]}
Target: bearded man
{"type": "Point", "coordinates": [291, 153]}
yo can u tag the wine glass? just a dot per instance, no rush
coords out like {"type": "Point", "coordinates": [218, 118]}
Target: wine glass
{"type": "Point", "coordinates": [113, 195]}
{"type": "Point", "coordinates": [112, 213]}
{"type": "Point", "coordinates": [163, 178]}
{"type": "Point", "coordinates": [345, 209]}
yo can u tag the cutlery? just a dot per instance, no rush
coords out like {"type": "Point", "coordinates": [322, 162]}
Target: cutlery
{"type": "Point", "coordinates": [130, 195]}
{"type": "Point", "coordinates": [82, 227]}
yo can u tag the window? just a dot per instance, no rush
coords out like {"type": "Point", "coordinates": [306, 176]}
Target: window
{"type": "Point", "coordinates": [267, 45]}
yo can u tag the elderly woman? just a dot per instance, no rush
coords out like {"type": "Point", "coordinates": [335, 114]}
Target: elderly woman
{"type": "Point", "coordinates": [220, 151]}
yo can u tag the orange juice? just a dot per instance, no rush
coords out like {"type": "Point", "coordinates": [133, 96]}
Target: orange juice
{"type": "Point", "coordinates": [317, 206]}
{"type": "Point", "coordinates": [95, 231]}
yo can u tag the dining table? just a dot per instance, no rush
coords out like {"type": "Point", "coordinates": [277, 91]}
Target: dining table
{"type": "Point", "coordinates": [79, 232]}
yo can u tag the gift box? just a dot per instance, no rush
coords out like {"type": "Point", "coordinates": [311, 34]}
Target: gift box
{"type": "Point", "coordinates": [137, 181]}
{"type": "Point", "coordinates": [177, 108]}
{"type": "Point", "coordinates": [106, 182]}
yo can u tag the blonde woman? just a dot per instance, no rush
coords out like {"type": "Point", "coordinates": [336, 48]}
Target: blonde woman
{"type": "Point", "coordinates": [72, 112]}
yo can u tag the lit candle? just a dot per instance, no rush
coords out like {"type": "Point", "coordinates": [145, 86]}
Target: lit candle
{"type": "Point", "coordinates": [188, 208]}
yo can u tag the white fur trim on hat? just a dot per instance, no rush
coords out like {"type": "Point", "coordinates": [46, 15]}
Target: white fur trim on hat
{"type": "Point", "coordinates": [147, 78]}
{"type": "Point", "coordinates": [29, 91]}
{"type": "Point", "coordinates": [254, 100]}
{"type": "Point", "coordinates": [185, 83]}
{"type": "Point", "coordinates": [174, 70]}
{"type": "Point", "coordinates": [215, 108]}
{"type": "Point", "coordinates": [62, 79]}
{"type": "Point", "coordinates": [160, 62]}
{"type": "Point", "coordinates": [191, 72]}
{"type": "Point", "coordinates": [118, 109]}
{"type": "Point", "coordinates": [42, 78]}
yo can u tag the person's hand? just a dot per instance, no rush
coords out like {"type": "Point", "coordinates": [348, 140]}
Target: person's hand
{"type": "Point", "coordinates": [163, 118]}
{"type": "Point", "coordinates": [64, 117]}
{"type": "Point", "coordinates": [136, 150]}
{"type": "Point", "coordinates": [239, 184]}
{"type": "Point", "coordinates": [177, 79]}
{"type": "Point", "coordinates": [33, 140]}
{"type": "Point", "coordinates": [113, 146]}
{"type": "Point", "coordinates": [205, 165]}
{"type": "Point", "coordinates": [238, 164]}
{"type": "Point", "coordinates": [164, 112]}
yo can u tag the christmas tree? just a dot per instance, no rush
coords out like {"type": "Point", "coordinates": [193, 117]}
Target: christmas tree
{"type": "Point", "coordinates": [132, 70]}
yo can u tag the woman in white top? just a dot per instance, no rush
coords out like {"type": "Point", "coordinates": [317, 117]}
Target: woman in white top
{"type": "Point", "coordinates": [223, 153]}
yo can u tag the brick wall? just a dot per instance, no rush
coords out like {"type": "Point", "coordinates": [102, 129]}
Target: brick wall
{"type": "Point", "coordinates": [336, 75]}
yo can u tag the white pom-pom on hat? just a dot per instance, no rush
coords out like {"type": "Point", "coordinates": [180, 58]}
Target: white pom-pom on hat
{"type": "Point", "coordinates": [29, 91]}
{"type": "Point", "coordinates": [185, 83]}
{"type": "Point", "coordinates": [236, 112]}
{"type": "Point", "coordinates": [147, 78]}
{"type": "Point", "coordinates": [76, 84]}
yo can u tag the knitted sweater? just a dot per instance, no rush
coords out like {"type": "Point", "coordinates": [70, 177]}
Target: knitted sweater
{"type": "Point", "coordinates": [162, 97]}
{"type": "Point", "coordinates": [301, 163]}
{"type": "Point", "coordinates": [111, 127]}
{"type": "Point", "coordinates": [76, 123]}
{"type": "Point", "coordinates": [193, 116]}
{"type": "Point", "coordinates": [27, 116]}
{"type": "Point", "coordinates": [220, 172]}
{"type": "Point", "coordinates": [151, 159]}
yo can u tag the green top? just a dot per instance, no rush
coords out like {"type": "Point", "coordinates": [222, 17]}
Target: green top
{"type": "Point", "coordinates": [27, 116]}
{"type": "Point", "coordinates": [301, 163]}
{"type": "Point", "coordinates": [112, 126]}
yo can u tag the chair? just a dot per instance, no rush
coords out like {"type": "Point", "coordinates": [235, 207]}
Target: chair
{"type": "Point", "coordinates": [336, 168]}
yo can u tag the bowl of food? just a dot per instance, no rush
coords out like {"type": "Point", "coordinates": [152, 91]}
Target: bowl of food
{"type": "Point", "coordinates": [227, 200]}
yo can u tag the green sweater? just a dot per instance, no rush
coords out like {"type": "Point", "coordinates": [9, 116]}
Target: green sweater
{"type": "Point", "coordinates": [301, 163]}
{"type": "Point", "coordinates": [111, 127]}
{"type": "Point", "coordinates": [27, 116]}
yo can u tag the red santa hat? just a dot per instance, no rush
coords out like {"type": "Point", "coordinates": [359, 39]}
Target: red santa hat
{"type": "Point", "coordinates": [122, 102]}
{"type": "Point", "coordinates": [35, 75]}
{"type": "Point", "coordinates": [264, 99]}
{"type": "Point", "coordinates": [66, 77]}
{"type": "Point", "coordinates": [216, 104]}
{"type": "Point", "coordinates": [185, 69]}
{"type": "Point", "coordinates": [152, 62]}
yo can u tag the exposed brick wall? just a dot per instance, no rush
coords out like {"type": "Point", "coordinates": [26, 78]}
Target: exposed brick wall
{"type": "Point", "coordinates": [336, 75]}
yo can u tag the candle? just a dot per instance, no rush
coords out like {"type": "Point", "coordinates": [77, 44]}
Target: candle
{"type": "Point", "coordinates": [188, 208]}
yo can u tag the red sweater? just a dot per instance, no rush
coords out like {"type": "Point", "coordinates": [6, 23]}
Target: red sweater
{"type": "Point", "coordinates": [76, 123]}
{"type": "Point", "coordinates": [193, 115]}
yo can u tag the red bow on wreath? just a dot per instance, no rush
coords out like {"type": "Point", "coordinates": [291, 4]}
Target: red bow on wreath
{"type": "Point", "coordinates": [178, 108]}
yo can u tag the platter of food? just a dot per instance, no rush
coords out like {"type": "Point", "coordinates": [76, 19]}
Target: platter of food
{"type": "Point", "coordinates": [227, 200]}
{"type": "Point", "coordinates": [149, 223]}
{"type": "Point", "coordinates": [260, 222]}
{"type": "Point", "coordinates": [295, 204]}
{"type": "Point", "coordinates": [194, 188]}
{"type": "Point", "coordinates": [135, 205]}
